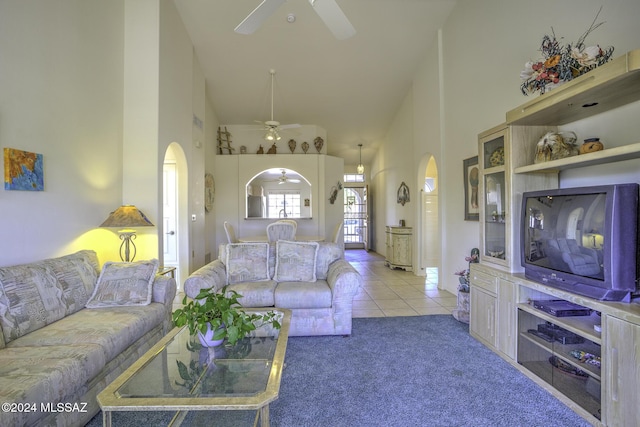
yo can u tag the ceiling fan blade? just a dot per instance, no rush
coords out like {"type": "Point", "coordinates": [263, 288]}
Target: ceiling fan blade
{"type": "Point", "coordinates": [260, 14]}
{"type": "Point", "coordinates": [290, 126]}
{"type": "Point", "coordinates": [334, 18]}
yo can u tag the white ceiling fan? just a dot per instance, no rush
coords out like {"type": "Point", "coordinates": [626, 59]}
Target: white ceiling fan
{"type": "Point", "coordinates": [327, 10]}
{"type": "Point", "coordinates": [273, 127]}
{"type": "Point", "coordinates": [285, 179]}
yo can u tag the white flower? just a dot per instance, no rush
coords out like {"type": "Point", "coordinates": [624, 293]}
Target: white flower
{"type": "Point", "coordinates": [586, 57]}
{"type": "Point", "coordinates": [528, 70]}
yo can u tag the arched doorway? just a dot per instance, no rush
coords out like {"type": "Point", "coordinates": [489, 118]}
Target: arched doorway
{"type": "Point", "coordinates": [428, 242]}
{"type": "Point", "coordinates": [175, 240]}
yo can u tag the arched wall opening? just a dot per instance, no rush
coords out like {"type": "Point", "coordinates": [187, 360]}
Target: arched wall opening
{"type": "Point", "coordinates": [175, 208]}
{"type": "Point", "coordinates": [429, 250]}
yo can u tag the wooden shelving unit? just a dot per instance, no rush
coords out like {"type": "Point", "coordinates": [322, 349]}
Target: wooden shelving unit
{"type": "Point", "coordinates": [618, 154]}
{"type": "Point", "coordinates": [498, 292]}
{"type": "Point", "coordinates": [612, 85]}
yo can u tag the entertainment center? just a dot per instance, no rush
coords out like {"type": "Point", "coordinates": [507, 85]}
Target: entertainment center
{"type": "Point", "coordinates": [558, 331]}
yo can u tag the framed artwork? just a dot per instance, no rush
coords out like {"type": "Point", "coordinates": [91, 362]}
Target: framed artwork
{"type": "Point", "coordinates": [209, 192]}
{"type": "Point", "coordinates": [403, 194]}
{"type": "Point", "coordinates": [471, 181]}
{"type": "Point", "coordinates": [23, 170]}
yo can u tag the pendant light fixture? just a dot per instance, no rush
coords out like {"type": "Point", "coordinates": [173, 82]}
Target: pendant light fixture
{"type": "Point", "coordinates": [360, 168]}
{"type": "Point", "coordinates": [272, 134]}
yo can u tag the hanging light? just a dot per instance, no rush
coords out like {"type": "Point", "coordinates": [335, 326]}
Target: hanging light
{"type": "Point", "coordinates": [360, 168]}
{"type": "Point", "coordinates": [272, 135]}
{"type": "Point", "coordinates": [272, 131]}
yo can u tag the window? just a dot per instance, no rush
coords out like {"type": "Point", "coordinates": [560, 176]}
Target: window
{"type": "Point", "coordinates": [353, 177]}
{"type": "Point", "coordinates": [283, 204]}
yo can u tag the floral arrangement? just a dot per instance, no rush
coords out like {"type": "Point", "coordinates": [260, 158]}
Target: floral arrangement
{"type": "Point", "coordinates": [464, 273]}
{"type": "Point", "coordinates": [561, 63]}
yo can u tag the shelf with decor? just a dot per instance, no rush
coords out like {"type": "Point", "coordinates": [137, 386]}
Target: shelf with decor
{"type": "Point", "coordinates": [609, 86]}
{"type": "Point", "coordinates": [573, 367]}
{"type": "Point", "coordinates": [610, 155]}
{"type": "Point", "coordinates": [606, 397]}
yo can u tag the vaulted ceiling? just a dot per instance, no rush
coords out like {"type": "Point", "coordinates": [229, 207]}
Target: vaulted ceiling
{"type": "Point", "coordinates": [352, 88]}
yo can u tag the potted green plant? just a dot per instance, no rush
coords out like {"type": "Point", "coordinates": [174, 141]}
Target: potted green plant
{"type": "Point", "coordinates": [214, 316]}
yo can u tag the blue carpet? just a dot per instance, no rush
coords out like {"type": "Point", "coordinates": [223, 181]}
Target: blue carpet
{"type": "Point", "coordinates": [401, 371]}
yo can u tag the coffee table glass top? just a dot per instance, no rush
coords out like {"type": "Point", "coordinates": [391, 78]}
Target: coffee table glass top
{"type": "Point", "coordinates": [179, 374]}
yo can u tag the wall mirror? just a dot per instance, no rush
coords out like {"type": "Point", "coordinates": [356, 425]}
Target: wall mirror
{"type": "Point", "coordinates": [278, 193]}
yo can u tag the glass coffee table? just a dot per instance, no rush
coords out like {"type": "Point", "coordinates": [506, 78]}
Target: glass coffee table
{"type": "Point", "coordinates": [179, 376]}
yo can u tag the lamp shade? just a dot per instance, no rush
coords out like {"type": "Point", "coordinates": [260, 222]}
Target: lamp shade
{"type": "Point", "coordinates": [127, 216]}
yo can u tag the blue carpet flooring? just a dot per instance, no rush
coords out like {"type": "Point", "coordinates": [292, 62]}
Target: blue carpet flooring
{"type": "Point", "coordinates": [400, 371]}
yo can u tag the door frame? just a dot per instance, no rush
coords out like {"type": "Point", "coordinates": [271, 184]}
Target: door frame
{"type": "Point", "coordinates": [175, 154]}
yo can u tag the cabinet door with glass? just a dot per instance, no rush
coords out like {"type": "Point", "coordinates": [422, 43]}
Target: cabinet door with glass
{"type": "Point", "coordinates": [493, 149]}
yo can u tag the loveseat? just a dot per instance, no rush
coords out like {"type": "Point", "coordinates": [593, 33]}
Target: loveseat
{"type": "Point", "coordinates": [55, 354]}
{"type": "Point", "coordinates": [311, 279]}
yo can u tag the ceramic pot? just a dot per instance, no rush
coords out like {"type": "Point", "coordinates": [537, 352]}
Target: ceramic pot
{"type": "Point", "coordinates": [591, 145]}
{"type": "Point", "coordinates": [207, 340]}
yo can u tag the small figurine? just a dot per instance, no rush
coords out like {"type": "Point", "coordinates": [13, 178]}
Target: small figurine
{"type": "Point", "coordinates": [260, 150]}
{"type": "Point", "coordinates": [273, 149]}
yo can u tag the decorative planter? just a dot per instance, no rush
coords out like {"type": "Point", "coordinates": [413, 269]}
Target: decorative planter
{"type": "Point", "coordinates": [461, 313]}
{"type": "Point", "coordinates": [207, 340]}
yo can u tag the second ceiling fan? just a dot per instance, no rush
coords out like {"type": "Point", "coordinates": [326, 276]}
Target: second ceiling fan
{"type": "Point", "coordinates": [274, 127]}
{"type": "Point", "coordinates": [284, 178]}
{"type": "Point", "coordinates": [328, 10]}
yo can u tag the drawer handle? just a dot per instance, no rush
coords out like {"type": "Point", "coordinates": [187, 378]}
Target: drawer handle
{"type": "Point", "coordinates": [614, 374]}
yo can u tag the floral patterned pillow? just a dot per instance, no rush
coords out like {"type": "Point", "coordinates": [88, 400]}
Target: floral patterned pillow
{"type": "Point", "coordinates": [247, 262]}
{"type": "Point", "coordinates": [296, 261]}
{"type": "Point", "coordinates": [124, 284]}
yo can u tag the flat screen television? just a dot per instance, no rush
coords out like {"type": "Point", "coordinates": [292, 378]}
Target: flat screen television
{"type": "Point", "coordinates": [583, 240]}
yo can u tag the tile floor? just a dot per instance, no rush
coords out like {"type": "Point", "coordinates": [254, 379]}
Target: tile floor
{"type": "Point", "coordinates": [388, 293]}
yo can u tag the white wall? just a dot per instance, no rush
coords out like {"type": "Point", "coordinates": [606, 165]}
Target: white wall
{"type": "Point", "coordinates": [233, 172]}
{"type": "Point", "coordinates": [62, 96]}
{"type": "Point", "coordinates": [393, 165]}
{"type": "Point", "coordinates": [100, 88]}
{"type": "Point", "coordinates": [484, 47]}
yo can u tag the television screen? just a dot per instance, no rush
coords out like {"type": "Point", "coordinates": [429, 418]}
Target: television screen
{"type": "Point", "coordinates": [566, 233]}
{"type": "Point", "coordinates": [583, 240]}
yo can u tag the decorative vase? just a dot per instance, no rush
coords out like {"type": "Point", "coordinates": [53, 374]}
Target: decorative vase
{"type": "Point", "coordinates": [461, 312]}
{"type": "Point", "coordinates": [305, 146]}
{"type": "Point", "coordinates": [292, 145]}
{"type": "Point", "coordinates": [318, 143]}
{"type": "Point", "coordinates": [207, 340]}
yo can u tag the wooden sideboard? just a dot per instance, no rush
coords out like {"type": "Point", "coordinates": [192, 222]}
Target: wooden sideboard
{"type": "Point", "coordinates": [399, 243]}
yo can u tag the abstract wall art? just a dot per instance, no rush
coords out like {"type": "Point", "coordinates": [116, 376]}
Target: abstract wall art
{"type": "Point", "coordinates": [23, 170]}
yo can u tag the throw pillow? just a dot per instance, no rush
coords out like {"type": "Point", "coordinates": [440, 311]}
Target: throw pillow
{"type": "Point", "coordinates": [30, 298]}
{"type": "Point", "coordinates": [296, 261]}
{"type": "Point", "coordinates": [247, 262]}
{"type": "Point", "coordinates": [124, 284]}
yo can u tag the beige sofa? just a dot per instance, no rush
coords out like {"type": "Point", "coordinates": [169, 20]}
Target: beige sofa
{"type": "Point", "coordinates": [55, 354]}
{"type": "Point", "coordinates": [313, 280]}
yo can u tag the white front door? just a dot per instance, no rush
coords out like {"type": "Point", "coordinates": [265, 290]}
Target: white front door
{"type": "Point", "coordinates": [170, 215]}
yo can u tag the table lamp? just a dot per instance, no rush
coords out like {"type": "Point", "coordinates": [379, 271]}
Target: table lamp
{"type": "Point", "coordinates": [127, 216]}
